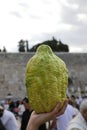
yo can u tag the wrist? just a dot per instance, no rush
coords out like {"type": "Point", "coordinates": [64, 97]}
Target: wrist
{"type": "Point", "coordinates": [32, 126]}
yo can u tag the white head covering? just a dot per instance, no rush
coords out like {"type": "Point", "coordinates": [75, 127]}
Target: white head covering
{"type": "Point", "coordinates": [83, 105]}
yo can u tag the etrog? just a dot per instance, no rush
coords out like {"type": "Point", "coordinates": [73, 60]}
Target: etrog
{"type": "Point", "coordinates": [46, 80]}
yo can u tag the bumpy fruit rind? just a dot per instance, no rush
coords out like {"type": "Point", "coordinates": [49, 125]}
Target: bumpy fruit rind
{"type": "Point", "coordinates": [46, 80]}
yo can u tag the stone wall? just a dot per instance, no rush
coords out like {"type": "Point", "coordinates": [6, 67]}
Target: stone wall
{"type": "Point", "coordinates": [12, 72]}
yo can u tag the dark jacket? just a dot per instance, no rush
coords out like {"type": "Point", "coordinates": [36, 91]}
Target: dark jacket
{"type": "Point", "coordinates": [42, 127]}
{"type": "Point", "coordinates": [25, 118]}
{"type": "Point", "coordinates": [2, 127]}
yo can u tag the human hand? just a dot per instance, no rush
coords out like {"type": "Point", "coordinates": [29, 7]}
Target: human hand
{"type": "Point", "coordinates": [37, 119]}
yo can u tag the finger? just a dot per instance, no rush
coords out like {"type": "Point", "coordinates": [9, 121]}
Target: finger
{"type": "Point", "coordinates": [63, 108]}
{"type": "Point", "coordinates": [58, 107]}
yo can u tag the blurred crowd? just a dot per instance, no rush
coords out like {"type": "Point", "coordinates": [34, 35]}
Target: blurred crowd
{"type": "Point", "coordinates": [21, 110]}
{"type": "Point", "coordinates": [16, 114]}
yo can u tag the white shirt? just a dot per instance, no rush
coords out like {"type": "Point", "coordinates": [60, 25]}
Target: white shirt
{"type": "Point", "coordinates": [6, 106]}
{"type": "Point", "coordinates": [63, 120]}
{"type": "Point", "coordinates": [77, 123]}
{"type": "Point", "coordinates": [9, 121]}
{"type": "Point", "coordinates": [21, 109]}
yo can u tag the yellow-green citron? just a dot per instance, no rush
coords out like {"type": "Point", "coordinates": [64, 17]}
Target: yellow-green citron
{"type": "Point", "coordinates": [46, 80]}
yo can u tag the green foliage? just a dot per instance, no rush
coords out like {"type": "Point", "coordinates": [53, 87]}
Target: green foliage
{"type": "Point", "coordinates": [3, 50]}
{"type": "Point", "coordinates": [63, 47]}
{"type": "Point", "coordinates": [21, 46]}
{"type": "Point", "coordinates": [27, 47]}
{"type": "Point", "coordinates": [56, 46]}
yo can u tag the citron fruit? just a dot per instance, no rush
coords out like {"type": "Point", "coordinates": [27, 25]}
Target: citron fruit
{"type": "Point", "coordinates": [46, 80]}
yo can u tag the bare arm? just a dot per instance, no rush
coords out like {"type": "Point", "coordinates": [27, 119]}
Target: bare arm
{"type": "Point", "coordinates": [37, 119]}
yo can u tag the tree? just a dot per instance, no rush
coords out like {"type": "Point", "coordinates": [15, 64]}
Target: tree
{"type": "Point", "coordinates": [21, 46]}
{"type": "Point", "coordinates": [55, 45]}
{"type": "Point", "coordinates": [63, 47]}
{"type": "Point", "coordinates": [4, 49]}
{"type": "Point", "coordinates": [27, 47]}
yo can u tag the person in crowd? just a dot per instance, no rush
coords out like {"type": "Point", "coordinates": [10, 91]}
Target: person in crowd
{"type": "Point", "coordinates": [73, 98]}
{"type": "Point", "coordinates": [63, 120]}
{"type": "Point", "coordinates": [80, 121]}
{"type": "Point", "coordinates": [38, 119]}
{"type": "Point", "coordinates": [21, 109]}
{"type": "Point", "coordinates": [11, 106]}
{"type": "Point", "coordinates": [16, 104]}
{"type": "Point", "coordinates": [26, 115]}
{"type": "Point", "coordinates": [8, 119]}
{"type": "Point", "coordinates": [6, 105]}
{"type": "Point", "coordinates": [71, 102]}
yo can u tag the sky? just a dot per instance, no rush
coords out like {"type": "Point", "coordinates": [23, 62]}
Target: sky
{"type": "Point", "coordinates": [40, 20]}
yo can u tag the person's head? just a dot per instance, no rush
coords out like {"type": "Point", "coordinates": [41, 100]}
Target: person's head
{"type": "Point", "coordinates": [26, 103]}
{"type": "Point", "coordinates": [71, 102]}
{"type": "Point", "coordinates": [1, 111]}
{"type": "Point", "coordinates": [83, 108]}
{"type": "Point", "coordinates": [72, 97]}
